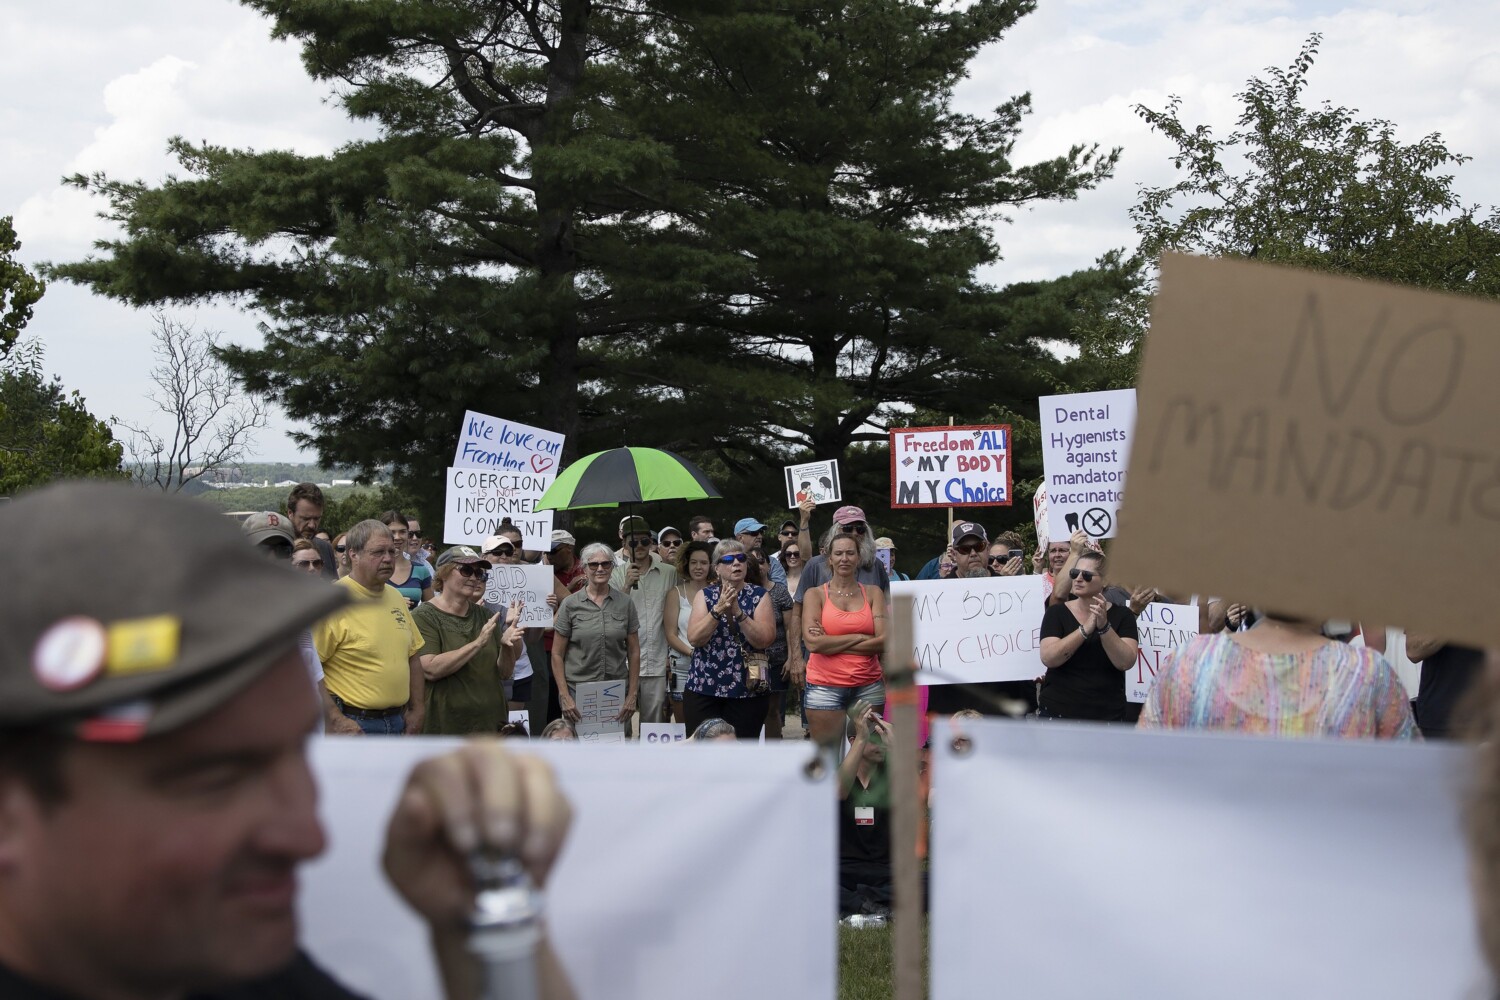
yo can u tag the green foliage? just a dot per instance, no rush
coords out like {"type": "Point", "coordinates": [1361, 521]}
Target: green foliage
{"type": "Point", "coordinates": [47, 433]}
{"type": "Point", "coordinates": [746, 231]}
{"type": "Point", "coordinates": [19, 288]}
{"type": "Point", "coordinates": [1307, 187]}
{"type": "Point", "coordinates": [342, 514]}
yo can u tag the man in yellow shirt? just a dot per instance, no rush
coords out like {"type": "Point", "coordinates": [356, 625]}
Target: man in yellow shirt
{"type": "Point", "coordinates": [369, 649]}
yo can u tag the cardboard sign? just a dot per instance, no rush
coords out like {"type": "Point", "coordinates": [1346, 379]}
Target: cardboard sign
{"type": "Point", "coordinates": [1345, 425]}
{"type": "Point", "coordinates": [1085, 445]}
{"type": "Point", "coordinates": [599, 702]}
{"type": "Point", "coordinates": [815, 481]}
{"type": "Point", "coordinates": [988, 628]}
{"type": "Point", "coordinates": [480, 501]}
{"type": "Point", "coordinates": [1162, 628]}
{"type": "Point", "coordinates": [529, 584]}
{"type": "Point", "coordinates": [951, 466]}
{"type": "Point", "coordinates": [500, 470]}
{"type": "Point", "coordinates": [663, 732]}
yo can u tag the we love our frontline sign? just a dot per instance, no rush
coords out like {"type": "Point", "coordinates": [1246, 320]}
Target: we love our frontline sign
{"type": "Point", "coordinates": [500, 471]}
{"type": "Point", "coordinates": [951, 466]}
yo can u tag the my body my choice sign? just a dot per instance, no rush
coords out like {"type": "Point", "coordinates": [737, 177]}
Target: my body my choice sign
{"type": "Point", "coordinates": [950, 466]}
{"type": "Point", "coordinates": [984, 629]}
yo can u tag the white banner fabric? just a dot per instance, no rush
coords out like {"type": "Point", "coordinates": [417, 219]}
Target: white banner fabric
{"type": "Point", "coordinates": [618, 912]}
{"type": "Point", "coordinates": [1180, 866]}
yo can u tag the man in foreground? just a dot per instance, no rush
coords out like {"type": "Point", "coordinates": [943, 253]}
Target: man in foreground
{"type": "Point", "coordinates": [155, 796]}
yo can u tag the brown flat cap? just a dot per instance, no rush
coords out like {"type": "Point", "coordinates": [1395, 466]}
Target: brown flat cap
{"type": "Point", "coordinates": [175, 613]}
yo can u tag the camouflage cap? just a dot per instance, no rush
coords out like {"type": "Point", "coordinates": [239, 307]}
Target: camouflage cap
{"type": "Point", "coordinates": [175, 615]}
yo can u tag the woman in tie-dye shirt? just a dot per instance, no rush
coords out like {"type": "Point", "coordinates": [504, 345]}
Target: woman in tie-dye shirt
{"type": "Point", "coordinates": [1281, 678]}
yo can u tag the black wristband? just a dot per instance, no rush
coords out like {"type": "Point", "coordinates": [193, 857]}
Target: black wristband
{"type": "Point", "coordinates": [1105, 627]}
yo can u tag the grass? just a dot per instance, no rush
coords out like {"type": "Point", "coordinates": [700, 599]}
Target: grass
{"type": "Point", "coordinates": [865, 963]}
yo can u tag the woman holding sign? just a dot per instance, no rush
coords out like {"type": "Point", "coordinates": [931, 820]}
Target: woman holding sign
{"type": "Point", "coordinates": [466, 658]}
{"type": "Point", "coordinates": [1087, 646]}
{"type": "Point", "coordinates": [731, 623]}
{"type": "Point", "coordinates": [843, 627]}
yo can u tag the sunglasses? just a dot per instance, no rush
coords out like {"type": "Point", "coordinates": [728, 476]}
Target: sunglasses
{"type": "Point", "coordinates": [672, 544]}
{"type": "Point", "coordinates": [854, 529]}
{"type": "Point", "coordinates": [504, 550]}
{"type": "Point", "coordinates": [413, 533]}
{"type": "Point", "coordinates": [340, 548]}
{"type": "Point", "coordinates": [735, 557]}
{"type": "Point", "coordinates": [1087, 574]}
{"type": "Point", "coordinates": [472, 570]}
{"type": "Point", "coordinates": [790, 554]}
{"type": "Point", "coordinates": [968, 550]}
{"type": "Point", "coordinates": [788, 532]}
{"type": "Point", "coordinates": [309, 563]}
{"type": "Point", "coordinates": [601, 565]}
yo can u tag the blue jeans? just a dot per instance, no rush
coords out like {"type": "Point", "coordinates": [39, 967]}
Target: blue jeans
{"type": "Point", "coordinates": [826, 698]}
{"type": "Point", "coordinates": [389, 725]}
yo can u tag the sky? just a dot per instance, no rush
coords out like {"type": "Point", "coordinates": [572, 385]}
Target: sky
{"type": "Point", "coordinates": [100, 86]}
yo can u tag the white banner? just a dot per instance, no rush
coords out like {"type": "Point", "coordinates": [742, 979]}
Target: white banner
{"type": "Point", "coordinates": [1085, 448]}
{"type": "Point", "coordinates": [950, 466]}
{"type": "Point", "coordinates": [1181, 866]}
{"type": "Point", "coordinates": [1162, 628]}
{"type": "Point", "coordinates": [480, 501]}
{"type": "Point", "coordinates": [525, 583]}
{"type": "Point", "coordinates": [622, 928]}
{"type": "Point", "coordinates": [987, 628]}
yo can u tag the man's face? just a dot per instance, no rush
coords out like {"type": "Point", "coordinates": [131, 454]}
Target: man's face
{"type": "Point", "coordinates": [306, 518]}
{"type": "Point", "coordinates": [703, 532]}
{"type": "Point", "coordinates": [374, 566]}
{"type": "Point", "coordinates": [668, 546]}
{"type": "Point", "coordinates": [638, 546]}
{"type": "Point", "coordinates": [563, 556]}
{"type": "Point", "coordinates": [786, 536]}
{"type": "Point", "coordinates": [751, 540]}
{"type": "Point", "coordinates": [413, 534]}
{"type": "Point", "coordinates": [968, 556]}
{"type": "Point", "coordinates": [171, 864]}
{"type": "Point", "coordinates": [1057, 555]}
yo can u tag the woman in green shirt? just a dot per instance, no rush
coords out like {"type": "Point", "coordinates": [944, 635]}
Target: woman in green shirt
{"type": "Point", "coordinates": [465, 659]}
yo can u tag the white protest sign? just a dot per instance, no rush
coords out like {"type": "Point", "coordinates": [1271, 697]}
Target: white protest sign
{"type": "Point", "coordinates": [522, 716]}
{"type": "Point", "coordinates": [815, 481]}
{"type": "Point", "coordinates": [1039, 516]}
{"type": "Point", "coordinates": [950, 466]}
{"type": "Point", "coordinates": [480, 501]}
{"type": "Point", "coordinates": [515, 464]}
{"type": "Point", "coordinates": [525, 583]}
{"type": "Point", "coordinates": [599, 701]}
{"type": "Point", "coordinates": [1199, 865]}
{"type": "Point", "coordinates": [1085, 448]}
{"type": "Point", "coordinates": [354, 924]}
{"type": "Point", "coordinates": [1162, 628]}
{"type": "Point", "coordinates": [988, 628]}
{"type": "Point", "coordinates": [600, 732]}
{"type": "Point", "coordinates": [663, 732]}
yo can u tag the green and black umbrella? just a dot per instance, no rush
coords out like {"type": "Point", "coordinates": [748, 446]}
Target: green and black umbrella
{"type": "Point", "coordinates": [627, 476]}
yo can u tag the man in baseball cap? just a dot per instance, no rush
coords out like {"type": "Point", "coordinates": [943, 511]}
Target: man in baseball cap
{"type": "Point", "coordinates": [155, 796]}
{"type": "Point", "coordinates": [969, 542]}
{"type": "Point", "coordinates": [269, 531]}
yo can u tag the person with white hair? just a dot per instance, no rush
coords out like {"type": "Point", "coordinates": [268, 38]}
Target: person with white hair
{"type": "Point", "coordinates": [596, 636]}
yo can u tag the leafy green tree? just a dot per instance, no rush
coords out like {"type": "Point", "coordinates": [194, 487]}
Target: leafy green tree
{"type": "Point", "coordinates": [47, 433]}
{"type": "Point", "coordinates": [19, 288]}
{"type": "Point", "coordinates": [1307, 187]}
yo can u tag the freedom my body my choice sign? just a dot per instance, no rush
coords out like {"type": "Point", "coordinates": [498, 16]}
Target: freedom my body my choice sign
{"type": "Point", "coordinates": [500, 470]}
{"type": "Point", "coordinates": [950, 466]}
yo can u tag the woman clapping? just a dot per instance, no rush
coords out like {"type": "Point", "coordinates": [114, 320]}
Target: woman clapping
{"type": "Point", "coordinates": [730, 623]}
{"type": "Point", "coordinates": [1087, 645]}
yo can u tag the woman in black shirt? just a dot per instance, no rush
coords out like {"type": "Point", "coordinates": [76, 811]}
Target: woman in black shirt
{"type": "Point", "coordinates": [1087, 646]}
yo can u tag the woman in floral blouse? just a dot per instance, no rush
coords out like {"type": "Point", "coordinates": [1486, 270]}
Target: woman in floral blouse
{"type": "Point", "coordinates": [728, 617]}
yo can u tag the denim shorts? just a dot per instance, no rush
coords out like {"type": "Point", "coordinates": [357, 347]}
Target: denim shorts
{"type": "Point", "coordinates": [826, 698]}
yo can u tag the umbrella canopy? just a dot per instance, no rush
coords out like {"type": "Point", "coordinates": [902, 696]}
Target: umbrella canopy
{"type": "Point", "coordinates": [628, 476]}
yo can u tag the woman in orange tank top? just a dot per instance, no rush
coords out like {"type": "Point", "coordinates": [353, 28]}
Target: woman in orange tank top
{"type": "Point", "coordinates": [844, 631]}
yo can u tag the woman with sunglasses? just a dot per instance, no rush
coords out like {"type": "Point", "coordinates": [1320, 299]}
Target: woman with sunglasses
{"type": "Point", "coordinates": [730, 617]}
{"type": "Point", "coordinates": [596, 636]}
{"type": "Point", "coordinates": [694, 565]}
{"type": "Point", "coordinates": [341, 554]}
{"type": "Point", "coordinates": [844, 631]}
{"type": "Point", "coordinates": [792, 562]}
{"type": "Point", "coordinates": [466, 658]}
{"type": "Point", "coordinates": [411, 578]}
{"type": "Point", "coordinates": [306, 557]}
{"type": "Point", "coordinates": [1087, 646]}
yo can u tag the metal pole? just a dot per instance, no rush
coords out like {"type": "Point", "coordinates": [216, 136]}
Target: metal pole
{"type": "Point", "coordinates": [906, 804]}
